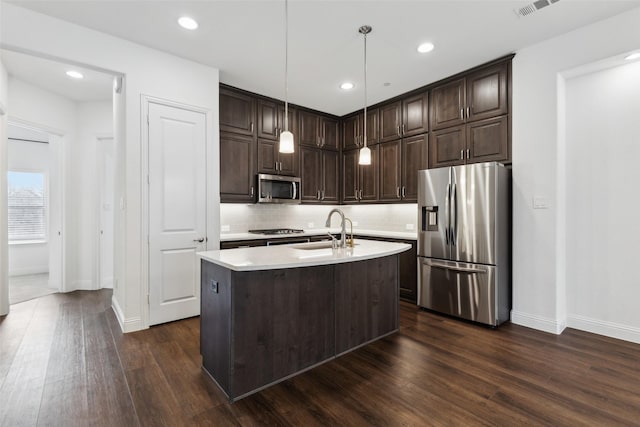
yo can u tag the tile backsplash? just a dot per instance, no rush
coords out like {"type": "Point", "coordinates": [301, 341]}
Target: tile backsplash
{"type": "Point", "coordinates": [238, 218]}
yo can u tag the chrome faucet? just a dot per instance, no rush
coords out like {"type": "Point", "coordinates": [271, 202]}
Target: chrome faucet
{"type": "Point", "coordinates": [343, 233]}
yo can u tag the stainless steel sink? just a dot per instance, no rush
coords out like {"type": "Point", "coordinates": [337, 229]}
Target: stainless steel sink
{"type": "Point", "coordinates": [314, 245]}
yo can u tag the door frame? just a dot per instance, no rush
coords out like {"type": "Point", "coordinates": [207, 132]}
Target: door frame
{"type": "Point", "coordinates": [145, 101]}
{"type": "Point", "coordinates": [101, 139]}
{"type": "Point", "coordinates": [57, 142]}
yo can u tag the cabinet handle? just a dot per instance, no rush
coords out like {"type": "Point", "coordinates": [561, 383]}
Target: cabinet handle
{"type": "Point", "coordinates": [322, 198]}
{"type": "Point", "coordinates": [462, 114]}
{"type": "Point", "coordinates": [468, 155]}
{"type": "Point", "coordinates": [398, 130]}
{"type": "Point", "coordinates": [251, 191]}
{"type": "Point", "coordinates": [360, 194]}
{"type": "Point", "coordinates": [404, 191]}
{"type": "Point", "coordinates": [468, 112]}
{"type": "Point", "coordinates": [461, 154]}
{"type": "Point", "coordinates": [398, 192]}
{"type": "Point", "coordinates": [251, 127]}
{"type": "Point", "coordinates": [403, 128]}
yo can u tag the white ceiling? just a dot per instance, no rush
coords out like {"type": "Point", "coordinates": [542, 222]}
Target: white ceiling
{"type": "Point", "coordinates": [51, 75]}
{"type": "Point", "coordinates": [245, 39]}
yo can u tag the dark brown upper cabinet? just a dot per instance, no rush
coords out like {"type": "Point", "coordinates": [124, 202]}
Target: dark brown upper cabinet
{"type": "Point", "coordinates": [237, 112]}
{"type": "Point", "coordinates": [271, 161]}
{"type": "Point", "coordinates": [237, 168]}
{"type": "Point", "coordinates": [359, 183]}
{"type": "Point", "coordinates": [406, 117]}
{"type": "Point", "coordinates": [319, 175]}
{"type": "Point", "coordinates": [400, 161]}
{"type": "Point", "coordinates": [353, 131]}
{"type": "Point", "coordinates": [479, 95]}
{"type": "Point", "coordinates": [480, 141]}
{"type": "Point", "coordinates": [317, 131]}
{"type": "Point", "coordinates": [271, 119]}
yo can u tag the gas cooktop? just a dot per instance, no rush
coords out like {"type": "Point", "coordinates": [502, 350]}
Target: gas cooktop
{"type": "Point", "coordinates": [277, 231]}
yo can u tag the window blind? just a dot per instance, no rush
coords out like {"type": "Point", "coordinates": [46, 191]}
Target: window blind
{"type": "Point", "coordinates": [26, 206]}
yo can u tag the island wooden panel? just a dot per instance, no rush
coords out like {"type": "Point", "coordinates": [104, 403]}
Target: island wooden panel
{"type": "Point", "coordinates": [366, 304]}
{"type": "Point", "coordinates": [261, 327]}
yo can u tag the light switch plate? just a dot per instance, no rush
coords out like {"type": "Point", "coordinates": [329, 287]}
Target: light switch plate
{"type": "Point", "coordinates": [214, 286]}
{"type": "Point", "coordinates": [540, 203]}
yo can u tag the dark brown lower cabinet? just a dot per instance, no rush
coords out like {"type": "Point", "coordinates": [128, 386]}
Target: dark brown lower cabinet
{"type": "Point", "coordinates": [260, 327]}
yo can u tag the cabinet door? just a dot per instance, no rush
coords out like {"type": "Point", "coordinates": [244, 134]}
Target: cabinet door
{"type": "Point", "coordinates": [289, 163]}
{"type": "Point", "coordinates": [390, 171]}
{"type": "Point", "coordinates": [237, 112]}
{"type": "Point", "coordinates": [368, 176]}
{"type": "Point", "coordinates": [350, 176]}
{"type": "Point", "coordinates": [309, 128]}
{"type": "Point", "coordinates": [310, 174]}
{"type": "Point", "coordinates": [267, 156]}
{"type": "Point", "coordinates": [237, 170]}
{"type": "Point", "coordinates": [487, 92]}
{"type": "Point", "coordinates": [390, 116]}
{"type": "Point", "coordinates": [447, 147]}
{"type": "Point", "coordinates": [487, 140]}
{"type": "Point", "coordinates": [351, 132]}
{"type": "Point", "coordinates": [447, 104]}
{"type": "Point", "coordinates": [373, 126]}
{"type": "Point", "coordinates": [329, 136]}
{"type": "Point", "coordinates": [330, 172]}
{"type": "Point", "coordinates": [414, 114]}
{"type": "Point", "coordinates": [414, 158]}
{"type": "Point", "coordinates": [409, 272]}
{"type": "Point", "coordinates": [268, 123]}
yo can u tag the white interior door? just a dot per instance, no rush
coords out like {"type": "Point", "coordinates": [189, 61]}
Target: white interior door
{"type": "Point", "coordinates": [177, 211]}
{"type": "Point", "coordinates": [106, 168]}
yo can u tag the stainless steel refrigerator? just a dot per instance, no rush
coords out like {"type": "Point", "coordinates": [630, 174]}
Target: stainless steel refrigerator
{"type": "Point", "coordinates": [464, 241]}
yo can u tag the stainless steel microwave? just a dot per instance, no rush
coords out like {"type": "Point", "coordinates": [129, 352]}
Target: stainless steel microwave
{"type": "Point", "coordinates": [278, 189]}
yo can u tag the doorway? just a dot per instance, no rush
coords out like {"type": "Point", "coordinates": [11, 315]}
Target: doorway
{"type": "Point", "coordinates": [35, 250]}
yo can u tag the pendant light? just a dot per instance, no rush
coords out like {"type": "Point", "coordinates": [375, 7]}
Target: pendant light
{"type": "Point", "coordinates": [286, 137]}
{"type": "Point", "coordinates": [365, 153]}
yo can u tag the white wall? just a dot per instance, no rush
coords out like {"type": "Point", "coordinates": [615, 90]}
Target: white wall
{"type": "Point", "coordinates": [31, 105]}
{"type": "Point", "coordinates": [94, 119]}
{"type": "Point", "coordinates": [603, 232]}
{"type": "Point", "coordinates": [147, 72]}
{"type": "Point", "coordinates": [539, 280]}
{"type": "Point", "coordinates": [29, 258]}
{"type": "Point", "coordinates": [4, 278]}
{"type": "Point", "coordinates": [388, 217]}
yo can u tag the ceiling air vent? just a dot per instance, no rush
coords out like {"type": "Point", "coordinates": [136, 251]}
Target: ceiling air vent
{"type": "Point", "coordinates": [534, 7]}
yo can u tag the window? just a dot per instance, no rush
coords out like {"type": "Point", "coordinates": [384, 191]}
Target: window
{"type": "Point", "coordinates": [27, 205]}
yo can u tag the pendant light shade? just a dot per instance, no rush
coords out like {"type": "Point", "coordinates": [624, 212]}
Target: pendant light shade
{"type": "Point", "coordinates": [286, 142]}
{"type": "Point", "coordinates": [365, 156]}
{"type": "Point", "coordinates": [365, 153]}
{"type": "Point", "coordinates": [286, 138]}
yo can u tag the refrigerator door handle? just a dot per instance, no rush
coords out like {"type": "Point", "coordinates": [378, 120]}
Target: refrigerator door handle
{"type": "Point", "coordinates": [447, 213]}
{"type": "Point", "coordinates": [471, 270]}
{"type": "Point", "coordinates": [454, 214]}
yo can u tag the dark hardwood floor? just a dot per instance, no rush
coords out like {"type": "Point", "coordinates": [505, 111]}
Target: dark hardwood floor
{"type": "Point", "coordinates": [64, 362]}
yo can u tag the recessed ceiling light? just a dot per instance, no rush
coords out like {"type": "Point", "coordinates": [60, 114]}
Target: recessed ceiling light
{"type": "Point", "coordinates": [346, 86]}
{"type": "Point", "coordinates": [425, 47]}
{"type": "Point", "coordinates": [75, 74]}
{"type": "Point", "coordinates": [633, 56]}
{"type": "Point", "coordinates": [188, 23]}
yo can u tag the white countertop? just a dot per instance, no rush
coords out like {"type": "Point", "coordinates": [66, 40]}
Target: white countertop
{"type": "Point", "coordinates": [408, 235]}
{"type": "Point", "coordinates": [293, 256]}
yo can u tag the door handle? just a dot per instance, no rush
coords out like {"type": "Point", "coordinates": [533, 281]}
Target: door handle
{"type": "Point", "coordinates": [200, 240]}
{"type": "Point", "coordinates": [447, 213]}
{"type": "Point", "coordinates": [444, 266]}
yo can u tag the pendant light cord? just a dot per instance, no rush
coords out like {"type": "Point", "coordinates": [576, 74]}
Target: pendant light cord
{"type": "Point", "coordinates": [286, 65]}
{"type": "Point", "coordinates": [365, 90]}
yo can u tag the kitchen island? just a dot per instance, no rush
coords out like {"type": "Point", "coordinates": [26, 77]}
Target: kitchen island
{"type": "Point", "coordinates": [269, 313]}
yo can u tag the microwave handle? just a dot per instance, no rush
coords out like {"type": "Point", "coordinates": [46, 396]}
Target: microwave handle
{"type": "Point", "coordinates": [295, 190]}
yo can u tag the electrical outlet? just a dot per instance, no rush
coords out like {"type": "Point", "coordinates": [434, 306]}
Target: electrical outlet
{"type": "Point", "coordinates": [310, 225]}
{"type": "Point", "coordinates": [224, 228]}
{"type": "Point", "coordinates": [214, 286]}
{"type": "Point", "coordinates": [409, 227]}
{"type": "Point", "coordinates": [540, 203]}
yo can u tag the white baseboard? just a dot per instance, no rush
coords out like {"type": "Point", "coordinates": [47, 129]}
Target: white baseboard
{"type": "Point", "coordinates": [601, 327]}
{"type": "Point", "coordinates": [107, 283]}
{"type": "Point", "coordinates": [540, 323]}
{"type": "Point", "coordinates": [126, 325]}
{"type": "Point", "coordinates": [29, 270]}
{"type": "Point", "coordinates": [82, 285]}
